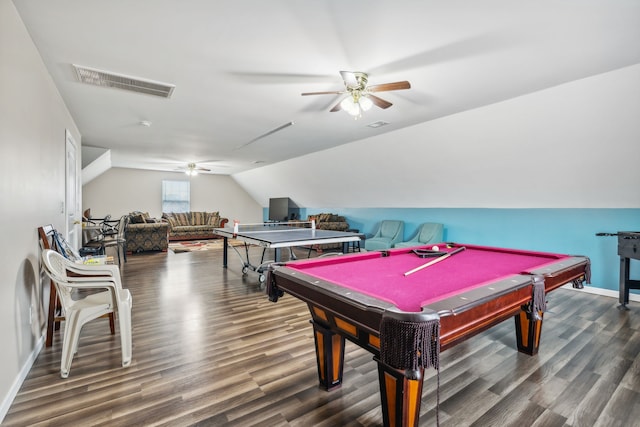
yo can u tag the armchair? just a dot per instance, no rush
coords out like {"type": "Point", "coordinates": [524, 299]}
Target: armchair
{"type": "Point", "coordinates": [389, 233]}
{"type": "Point", "coordinates": [108, 297]}
{"type": "Point", "coordinates": [428, 232]}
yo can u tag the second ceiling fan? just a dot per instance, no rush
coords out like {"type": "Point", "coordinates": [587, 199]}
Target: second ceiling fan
{"type": "Point", "coordinates": [193, 169]}
{"type": "Point", "coordinates": [361, 96]}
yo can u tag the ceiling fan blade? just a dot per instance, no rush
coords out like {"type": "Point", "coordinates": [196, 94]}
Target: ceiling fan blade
{"type": "Point", "coordinates": [203, 169]}
{"type": "Point", "coordinates": [350, 79]}
{"type": "Point", "coordinates": [389, 86]}
{"type": "Point", "coordinates": [379, 102]}
{"type": "Point", "coordinates": [335, 92]}
{"type": "Point", "coordinates": [336, 107]}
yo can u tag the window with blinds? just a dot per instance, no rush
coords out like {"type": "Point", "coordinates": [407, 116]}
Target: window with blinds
{"type": "Point", "coordinates": [175, 196]}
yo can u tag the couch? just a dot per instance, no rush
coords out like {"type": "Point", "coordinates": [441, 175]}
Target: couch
{"type": "Point", "coordinates": [193, 225]}
{"type": "Point", "coordinates": [144, 233]}
{"type": "Point", "coordinates": [329, 221]}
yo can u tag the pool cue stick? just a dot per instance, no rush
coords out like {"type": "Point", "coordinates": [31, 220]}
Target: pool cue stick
{"type": "Point", "coordinates": [435, 261]}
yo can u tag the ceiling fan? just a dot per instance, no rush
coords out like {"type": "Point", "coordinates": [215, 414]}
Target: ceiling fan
{"type": "Point", "coordinates": [360, 95]}
{"type": "Point", "coordinates": [192, 169]}
{"type": "Point", "coordinates": [189, 165]}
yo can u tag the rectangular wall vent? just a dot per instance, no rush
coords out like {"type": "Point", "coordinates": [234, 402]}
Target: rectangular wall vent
{"type": "Point", "coordinates": [107, 79]}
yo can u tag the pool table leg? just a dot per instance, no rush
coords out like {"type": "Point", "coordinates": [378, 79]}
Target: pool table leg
{"type": "Point", "coordinates": [528, 331]}
{"type": "Point", "coordinates": [329, 355]}
{"type": "Point", "coordinates": [400, 395]}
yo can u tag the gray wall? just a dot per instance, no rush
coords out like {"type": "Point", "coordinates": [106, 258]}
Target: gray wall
{"type": "Point", "coordinates": [120, 191]}
{"type": "Point", "coordinates": [33, 119]}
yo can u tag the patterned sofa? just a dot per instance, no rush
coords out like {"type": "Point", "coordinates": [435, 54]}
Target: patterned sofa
{"type": "Point", "coordinates": [329, 221]}
{"type": "Point", "coordinates": [146, 234]}
{"type": "Point", "coordinates": [193, 225]}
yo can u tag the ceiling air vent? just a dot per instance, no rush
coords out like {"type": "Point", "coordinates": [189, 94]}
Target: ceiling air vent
{"type": "Point", "coordinates": [120, 81]}
{"type": "Point", "coordinates": [378, 124]}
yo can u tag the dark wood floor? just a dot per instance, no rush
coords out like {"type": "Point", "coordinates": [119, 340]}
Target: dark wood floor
{"type": "Point", "coordinates": [209, 349]}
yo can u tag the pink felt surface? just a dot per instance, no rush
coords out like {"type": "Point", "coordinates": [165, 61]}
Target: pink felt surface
{"type": "Point", "coordinates": [383, 277]}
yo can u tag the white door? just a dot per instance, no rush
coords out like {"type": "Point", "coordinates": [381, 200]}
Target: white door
{"type": "Point", "coordinates": [72, 205]}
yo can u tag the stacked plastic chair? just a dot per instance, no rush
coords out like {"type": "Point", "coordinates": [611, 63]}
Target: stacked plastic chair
{"type": "Point", "coordinates": [110, 297]}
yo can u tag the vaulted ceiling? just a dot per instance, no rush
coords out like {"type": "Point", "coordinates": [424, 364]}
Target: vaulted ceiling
{"type": "Point", "coordinates": [239, 67]}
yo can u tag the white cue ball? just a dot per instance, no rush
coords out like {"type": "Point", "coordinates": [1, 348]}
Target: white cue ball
{"type": "Point", "coordinates": [435, 248]}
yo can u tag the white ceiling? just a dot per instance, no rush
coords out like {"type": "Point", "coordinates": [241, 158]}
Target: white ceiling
{"type": "Point", "coordinates": [239, 67]}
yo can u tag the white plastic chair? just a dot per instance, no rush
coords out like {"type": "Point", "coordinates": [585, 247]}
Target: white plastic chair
{"type": "Point", "coordinates": [68, 276]}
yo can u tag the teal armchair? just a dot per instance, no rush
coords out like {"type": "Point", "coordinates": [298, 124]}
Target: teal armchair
{"type": "Point", "coordinates": [429, 232]}
{"type": "Point", "coordinates": [389, 233]}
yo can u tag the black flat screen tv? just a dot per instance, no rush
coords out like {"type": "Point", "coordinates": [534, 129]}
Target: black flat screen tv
{"type": "Point", "coordinates": [282, 209]}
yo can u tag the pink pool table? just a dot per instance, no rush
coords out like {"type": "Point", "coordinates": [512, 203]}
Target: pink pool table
{"type": "Point", "coordinates": [406, 320]}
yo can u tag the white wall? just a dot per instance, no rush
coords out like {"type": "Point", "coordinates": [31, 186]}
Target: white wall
{"type": "Point", "coordinates": [33, 119]}
{"type": "Point", "coordinates": [120, 191]}
{"type": "Point", "coordinates": [572, 146]}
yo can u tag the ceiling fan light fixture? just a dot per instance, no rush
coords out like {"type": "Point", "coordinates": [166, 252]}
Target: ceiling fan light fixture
{"type": "Point", "coordinates": [355, 111]}
{"type": "Point", "coordinates": [365, 103]}
{"type": "Point", "coordinates": [356, 103]}
{"type": "Point", "coordinates": [350, 105]}
{"type": "Point", "coordinates": [191, 170]}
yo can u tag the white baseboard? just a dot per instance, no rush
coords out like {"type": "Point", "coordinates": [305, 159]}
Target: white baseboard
{"type": "Point", "coordinates": [604, 292]}
{"type": "Point", "coordinates": [8, 399]}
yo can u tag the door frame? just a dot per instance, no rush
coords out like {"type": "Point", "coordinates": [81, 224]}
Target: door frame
{"type": "Point", "coordinates": [71, 192]}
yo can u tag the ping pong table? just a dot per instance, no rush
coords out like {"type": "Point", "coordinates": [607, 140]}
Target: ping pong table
{"type": "Point", "coordinates": [277, 236]}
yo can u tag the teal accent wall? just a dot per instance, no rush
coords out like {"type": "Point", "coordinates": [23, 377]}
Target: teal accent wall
{"type": "Point", "coordinates": [570, 231]}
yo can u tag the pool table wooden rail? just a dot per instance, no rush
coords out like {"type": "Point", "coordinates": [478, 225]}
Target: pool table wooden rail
{"type": "Point", "coordinates": [461, 316]}
{"type": "Point", "coordinates": [465, 315]}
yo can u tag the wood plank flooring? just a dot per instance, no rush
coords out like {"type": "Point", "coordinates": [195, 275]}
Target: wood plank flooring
{"type": "Point", "coordinates": [209, 349]}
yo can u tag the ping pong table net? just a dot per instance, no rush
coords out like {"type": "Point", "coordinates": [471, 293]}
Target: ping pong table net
{"type": "Point", "coordinates": [239, 227]}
